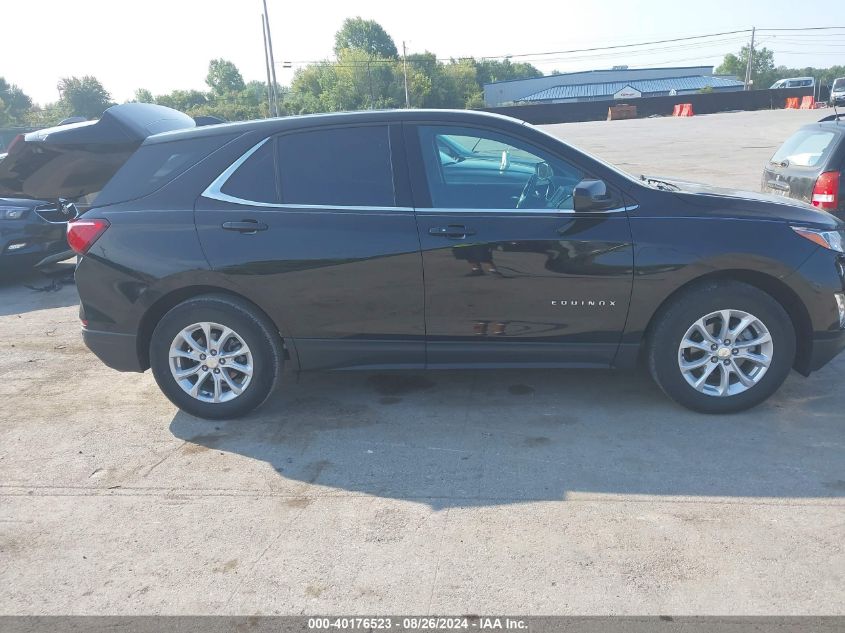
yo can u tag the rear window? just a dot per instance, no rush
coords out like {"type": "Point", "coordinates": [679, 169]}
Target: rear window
{"type": "Point", "coordinates": [153, 166]}
{"type": "Point", "coordinates": [337, 167]}
{"type": "Point", "coordinates": [805, 148]}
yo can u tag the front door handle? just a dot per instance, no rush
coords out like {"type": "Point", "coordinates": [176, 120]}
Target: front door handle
{"type": "Point", "coordinates": [245, 226]}
{"type": "Point", "coordinates": [453, 231]}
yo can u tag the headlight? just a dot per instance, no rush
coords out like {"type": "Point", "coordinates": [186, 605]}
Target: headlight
{"type": "Point", "coordinates": [831, 240]}
{"type": "Point", "coordinates": [12, 213]}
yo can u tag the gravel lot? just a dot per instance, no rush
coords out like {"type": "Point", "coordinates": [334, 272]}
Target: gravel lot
{"type": "Point", "coordinates": [565, 492]}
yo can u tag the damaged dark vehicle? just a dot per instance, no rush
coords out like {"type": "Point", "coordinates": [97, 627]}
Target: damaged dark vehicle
{"type": "Point", "coordinates": [218, 256]}
{"type": "Point", "coordinates": [32, 233]}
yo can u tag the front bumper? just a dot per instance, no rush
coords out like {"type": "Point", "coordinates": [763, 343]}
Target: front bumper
{"type": "Point", "coordinates": [118, 351]}
{"type": "Point", "coordinates": [24, 243]}
{"type": "Point", "coordinates": [826, 346]}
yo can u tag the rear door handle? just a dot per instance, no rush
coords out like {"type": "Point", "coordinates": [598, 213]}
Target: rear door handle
{"type": "Point", "coordinates": [453, 231]}
{"type": "Point", "coordinates": [245, 226]}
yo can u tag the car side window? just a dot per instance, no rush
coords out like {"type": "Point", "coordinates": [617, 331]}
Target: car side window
{"type": "Point", "coordinates": [470, 168]}
{"type": "Point", "coordinates": [255, 180]}
{"type": "Point", "coordinates": [348, 166]}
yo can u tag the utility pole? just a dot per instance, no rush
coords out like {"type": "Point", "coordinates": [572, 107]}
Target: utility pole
{"type": "Point", "coordinates": [272, 61]}
{"type": "Point", "coordinates": [270, 108]}
{"type": "Point", "coordinates": [748, 77]}
{"type": "Point", "coordinates": [405, 71]}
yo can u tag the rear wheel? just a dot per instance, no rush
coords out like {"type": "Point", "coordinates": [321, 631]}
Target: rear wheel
{"type": "Point", "coordinates": [216, 356]}
{"type": "Point", "coordinates": [721, 347]}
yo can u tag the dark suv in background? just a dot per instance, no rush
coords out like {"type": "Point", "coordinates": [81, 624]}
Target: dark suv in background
{"type": "Point", "coordinates": [424, 239]}
{"type": "Point", "coordinates": [808, 166]}
{"type": "Point", "coordinates": [31, 231]}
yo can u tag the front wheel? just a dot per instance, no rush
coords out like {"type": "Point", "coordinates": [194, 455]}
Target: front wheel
{"type": "Point", "coordinates": [721, 347]}
{"type": "Point", "coordinates": [216, 356]}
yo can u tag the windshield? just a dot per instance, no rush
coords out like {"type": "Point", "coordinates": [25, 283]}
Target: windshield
{"type": "Point", "coordinates": [839, 84]}
{"type": "Point", "coordinates": [593, 157]}
{"type": "Point", "coordinates": [805, 148]}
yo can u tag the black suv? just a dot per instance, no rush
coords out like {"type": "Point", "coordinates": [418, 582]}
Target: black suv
{"type": "Point", "coordinates": [424, 239]}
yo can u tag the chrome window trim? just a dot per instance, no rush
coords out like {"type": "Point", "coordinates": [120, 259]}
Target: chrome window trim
{"type": "Point", "coordinates": [435, 210]}
{"type": "Point", "coordinates": [213, 190]}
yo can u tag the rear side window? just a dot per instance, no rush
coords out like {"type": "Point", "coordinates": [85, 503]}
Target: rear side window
{"type": "Point", "coordinates": [337, 167]}
{"type": "Point", "coordinates": [255, 180]}
{"type": "Point", "coordinates": [805, 148]}
{"type": "Point", "coordinates": [154, 165]}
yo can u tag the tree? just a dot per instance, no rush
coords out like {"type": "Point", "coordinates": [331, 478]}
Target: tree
{"type": "Point", "coordinates": [84, 97]}
{"type": "Point", "coordinates": [142, 95]}
{"type": "Point", "coordinates": [183, 100]}
{"type": "Point", "coordinates": [14, 104]}
{"type": "Point", "coordinates": [762, 66]}
{"type": "Point", "coordinates": [491, 70]}
{"type": "Point", "coordinates": [224, 77]}
{"type": "Point", "coordinates": [367, 36]}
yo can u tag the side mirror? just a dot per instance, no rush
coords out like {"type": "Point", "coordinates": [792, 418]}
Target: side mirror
{"type": "Point", "coordinates": [591, 195]}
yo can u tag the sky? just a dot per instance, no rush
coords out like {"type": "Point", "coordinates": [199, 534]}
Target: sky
{"type": "Point", "coordinates": [164, 45]}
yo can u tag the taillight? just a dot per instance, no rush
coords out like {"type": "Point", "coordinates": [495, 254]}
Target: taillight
{"type": "Point", "coordinates": [15, 141]}
{"type": "Point", "coordinates": [826, 191]}
{"type": "Point", "coordinates": [82, 233]}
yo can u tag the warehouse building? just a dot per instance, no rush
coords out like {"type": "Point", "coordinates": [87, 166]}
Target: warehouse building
{"type": "Point", "coordinates": [618, 83]}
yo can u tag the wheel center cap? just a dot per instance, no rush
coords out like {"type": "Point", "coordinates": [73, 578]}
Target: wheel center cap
{"type": "Point", "coordinates": [212, 362]}
{"type": "Point", "coordinates": [724, 352]}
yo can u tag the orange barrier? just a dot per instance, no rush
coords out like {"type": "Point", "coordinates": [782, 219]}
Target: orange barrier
{"type": "Point", "coordinates": [682, 109]}
{"type": "Point", "coordinates": [808, 103]}
{"type": "Point", "coordinates": [792, 103]}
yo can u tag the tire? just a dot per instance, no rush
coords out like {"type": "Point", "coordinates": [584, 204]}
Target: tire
{"type": "Point", "coordinates": [239, 392]}
{"type": "Point", "coordinates": [708, 304]}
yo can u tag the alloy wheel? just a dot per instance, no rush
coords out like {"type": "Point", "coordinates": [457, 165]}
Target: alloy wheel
{"type": "Point", "coordinates": [211, 362]}
{"type": "Point", "coordinates": [725, 353]}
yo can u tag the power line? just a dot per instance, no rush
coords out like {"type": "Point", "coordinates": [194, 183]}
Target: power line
{"type": "Point", "coordinates": [600, 52]}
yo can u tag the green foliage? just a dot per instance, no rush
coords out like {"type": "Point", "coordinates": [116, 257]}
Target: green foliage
{"type": "Point", "coordinates": [142, 95]}
{"type": "Point", "coordinates": [47, 116]}
{"type": "Point", "coordinates": [366, 36]}
{"type": "Point", "coordinates": [762, 66]}
{"type": "Point", "coordinates": [14, 104]}
{"type": "Point", "coordinates": [224, 77]}
{"type": "Point", "coordinates": [183, 100]}
{"type": "Point", "coordinates": [765, 73]}
{"type": "Point", "coordinates": [368, 74]}
{"type": "Point", "coordinates": [84, 96]}
{"type": "Point", "coordinates": [491, 70]}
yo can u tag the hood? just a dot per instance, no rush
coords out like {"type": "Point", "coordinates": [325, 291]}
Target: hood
{"type": "Point", "coordinates": [728, 202]}
{"type": "Point", "coordinates": [76, 160]}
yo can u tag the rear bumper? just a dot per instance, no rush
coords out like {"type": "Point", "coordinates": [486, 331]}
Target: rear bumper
{"type": "Point", "coordinates": [118, 351]}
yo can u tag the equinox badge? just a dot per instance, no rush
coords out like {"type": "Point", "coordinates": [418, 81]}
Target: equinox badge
{"type": "Point", "coordinates": [583, 302]}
